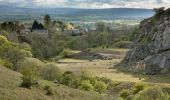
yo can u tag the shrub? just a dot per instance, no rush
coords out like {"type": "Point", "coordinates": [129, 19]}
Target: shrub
{"type": "Point", "coordinates": [13, 53]}
{"type": "Point", "coordinates": [67, 78]}
{"type": "Point", "coordinates": [51, 72]}
{"type": "Point", "coordinates": [49, 90]}
{"type": "Point", "coordinates": [86, 85]}
{"type": "Point", "coordinates": [153, 93]}
{"type": "Point", "coordinates": [30, 62]}
{"type": "Point", "coordinates": [159, 11]}
{"type": "Point", "coordinates": [124, 94]}
{"type": "Point", "coordinates": [138, 88]}
{"type": "Point", "coordinates": [6, 63]}
{"type": "Point", "coordinates": [75, 83]}
{"type": "Point", "coordinates": [132, 35]}
{"type": "Point", "coordinates": [66, 53]}
{"type": "Point", "coordinates": [29, 76]}
{"type": "Point", "coordinates": [112, 85]}
{"type": "Point", "coordinates": [85, 75]}
{"type": "Point", "coordinates": [3, 40]}
{"type": "Point", "coordinates": [123, 44]}
{"type": "Point", "coordinates": [104, 79]}
{"type": "Point", "coordinates": [100, 87]}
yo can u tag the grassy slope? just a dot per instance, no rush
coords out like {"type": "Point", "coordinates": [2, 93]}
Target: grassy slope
{"type": "Point", "coordinates": [10, 90]}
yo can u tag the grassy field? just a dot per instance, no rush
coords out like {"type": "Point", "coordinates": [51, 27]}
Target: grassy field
{"type": "Point", "coordinates": [106, 68]}
{"type": "Point", "coordinates": [10, 90]}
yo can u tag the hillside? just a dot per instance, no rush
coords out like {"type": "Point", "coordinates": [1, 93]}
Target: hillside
{"type": "Point", "coordinates": [10, 89]}
{"type": "Point", "coordinates": [72, 14]}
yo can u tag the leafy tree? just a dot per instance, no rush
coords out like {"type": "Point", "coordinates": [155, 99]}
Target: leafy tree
{"type": "Point", "coordinates": [45, 48]}
{"type": "Point", "coordinates": [37, 25]}
{"type": "Point", "coordinates": [12, 52]}
{"type": "Point", "coordinates": [47, 21]}
{"type": "Point", "coordinates": [159, 11]}
{"type": "Point", "coordinates": [10, 26]}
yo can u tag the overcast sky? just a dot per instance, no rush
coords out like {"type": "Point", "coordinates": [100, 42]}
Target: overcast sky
{"type": "Point", "coordinates": [87, 3]}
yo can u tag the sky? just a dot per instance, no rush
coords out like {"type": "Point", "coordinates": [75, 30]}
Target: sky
{"type": "Point", "coordinates": [87, 3]}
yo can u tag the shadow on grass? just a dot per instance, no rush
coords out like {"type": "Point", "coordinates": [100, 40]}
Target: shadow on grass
{"type": "Point", "coordinates": [153, 79]}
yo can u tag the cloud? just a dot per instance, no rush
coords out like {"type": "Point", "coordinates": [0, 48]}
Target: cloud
{"type": "Point", "coordinates": [88, 3]}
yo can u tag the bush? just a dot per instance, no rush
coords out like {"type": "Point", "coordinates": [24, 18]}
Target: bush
{"type": "Point", "coordinates": [67, 78]}
{"type": "Point", "coordinates": [3, 40]}
{"type": "Point", "coordinates": [30, 62]}
{"type": "Point", "coordinates": [123, 44]}
{"type": "Point", "coordinates": [138, 88]}
{"type": "Point", "coordinates": [49, 90]}
{"type": "Point", "coordinates": [51, 72]}
{"type": "Point", "coordinates": [13, 53]}
{"type": "Point", "coordinates": [85, 75]}
{"type": "Point", "coordinates": [75, 83]}
{"type": "Point", "coordinates": [159, 11]}
{"type": "Point", "coordinates": [121, 86]}
{"type": "Point", "coordinates": [125, 93]}
{"type": "Point", "coordinates": [6, 63]}
{"type": "Point", "coordinates": [104, 79]}
{"type": "Point", "coordinates": [29, 76]}
{"type": "Point", "coordinates": [31, 69]}
{"type": "Point", "coordinates": [100, 87]}
{"type": "Point", "coordinates": [132, 35]}
{"type": "Point", "coordinates": [112, 85]}
{"type": "Point", "coordinates": [86, 85]}
{"type": "Point", "coordinates": [66, 53]}
{"type": "Point", "coordinates": [153, 93]}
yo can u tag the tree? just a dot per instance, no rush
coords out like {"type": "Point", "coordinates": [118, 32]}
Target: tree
{"type": "Point", "coordinates": [45, 48]}
{"type": "Point", "coordinates": [13, 52]}
{"type": "Point", "coordinates": [37, 25]}
{"type": "Point", "coordinates": [47, 21]}
{"type": "Point", "coordinates": [159, 10]}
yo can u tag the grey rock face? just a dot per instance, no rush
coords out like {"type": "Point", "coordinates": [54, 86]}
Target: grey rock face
{"type": "Point", "coordinates": [152, 45]}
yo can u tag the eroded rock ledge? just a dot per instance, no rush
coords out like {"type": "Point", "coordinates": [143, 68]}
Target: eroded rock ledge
{"type": "Point", "coordinates": [152, 45]}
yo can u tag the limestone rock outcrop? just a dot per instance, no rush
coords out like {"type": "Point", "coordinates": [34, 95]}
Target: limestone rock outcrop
{"type": "Point", "coordinates": [152, 45]}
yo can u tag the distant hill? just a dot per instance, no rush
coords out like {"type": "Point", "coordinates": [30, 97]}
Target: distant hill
{"type": "Point", "coordinates": [71, 14]}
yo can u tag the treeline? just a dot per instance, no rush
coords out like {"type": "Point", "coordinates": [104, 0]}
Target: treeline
{"type": "Point", "coordinates": [52, 46]}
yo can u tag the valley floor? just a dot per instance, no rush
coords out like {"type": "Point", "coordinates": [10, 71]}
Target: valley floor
{"type": "Point", "coordinates": [108, 69]}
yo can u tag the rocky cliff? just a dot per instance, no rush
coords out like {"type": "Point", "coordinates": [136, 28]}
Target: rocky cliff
{"type": "Point", "coordinates": [152, 45]}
